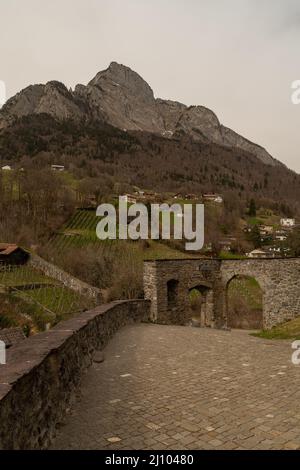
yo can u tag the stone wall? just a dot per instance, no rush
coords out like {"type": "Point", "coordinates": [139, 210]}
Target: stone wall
{"type": "Point", "coordinates": [189, 274]}
{"type": "Point", "coordinates": [279, 280]}
{"type": "Point", "coordinates": [66, 279]}
{"type": "Point", "coordinates": [42, 374]}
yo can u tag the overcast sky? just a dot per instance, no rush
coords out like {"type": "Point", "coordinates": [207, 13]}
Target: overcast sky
{"type": "Point", "coordinates": [237, 57]}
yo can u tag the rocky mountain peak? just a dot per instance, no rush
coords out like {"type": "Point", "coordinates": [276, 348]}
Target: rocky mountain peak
{"type": "Point", "coordinates": [122, 98]}
{"type": "Point", "coordinates": [118, 75]}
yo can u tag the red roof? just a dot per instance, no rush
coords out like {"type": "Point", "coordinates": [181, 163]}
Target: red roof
{"type": "Point", "coordinates": [7, 249]}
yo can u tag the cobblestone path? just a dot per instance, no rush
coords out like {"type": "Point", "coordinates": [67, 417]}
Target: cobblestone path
{"type": "Point", "coordinates": [165, 387]}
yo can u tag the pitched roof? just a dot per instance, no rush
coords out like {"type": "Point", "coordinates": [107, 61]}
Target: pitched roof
{"type": "Point", "coordinates": [7, 249]}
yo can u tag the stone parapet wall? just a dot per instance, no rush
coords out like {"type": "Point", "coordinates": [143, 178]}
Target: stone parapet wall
{"type": "Point", "coordinates": [65, 278]}
{"type": "Point", "coordinates": [43, 373]}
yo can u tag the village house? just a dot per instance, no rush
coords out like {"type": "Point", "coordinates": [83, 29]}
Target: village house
{"type": "Point", "coordinates": [213, 198]}
{"type": "Point", "coordinates": [11, 254]}
{"type": "Point", "coordinates": [139, 193]}
{"type": "Point", "coordinates": [266, 229]}
{"type": "Point", "coordinates": [129, 198]}
{"type": "Point", "coordinates": [274, 249]}
{"type": "Point", "coordinates": [6, 168]}
{"type": "Point", "coordinates": [260, 253]}
{"type": "Point", "coordinates": [57, 168]}
{"type": "Point", "coordinates": [287, 222]}
{"type": "Point", "coordinates": [281, 237]}
{"type": "Point", "coordinates": [151, 196]}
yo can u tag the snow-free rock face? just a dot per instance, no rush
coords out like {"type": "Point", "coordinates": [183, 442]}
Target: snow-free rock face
{"type": "Point", "coordinates": [52, 98]}
{"type": "Point", "coordinates": [123, 99]}
{"type": "Point", "coordinates": [120, 97]}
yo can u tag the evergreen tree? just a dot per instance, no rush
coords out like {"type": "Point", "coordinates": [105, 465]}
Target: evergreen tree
{"type": "Point", "coordinates": [252, 208]}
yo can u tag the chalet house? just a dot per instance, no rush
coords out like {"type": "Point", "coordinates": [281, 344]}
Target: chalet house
{"type": "Point", "coordinates": [12, 254]}
{"type": "Point", "coordinates": [274, 249]}
{"type": "Point", "coordinates": [259, 254]}
{"type": "Point", "coordinates": [57, 168]}
{"type": "Point", "coordinates": [139, 193]}
{"type": "Point", "coordinates": [129, 198]}
{"type": "Point", "coordinates": [266, 229]}
{"type": "Point", "coordinates": [281, 237]}
{"type": "Point", "coordinates": [213, 198]}
{"type": "Point", "coordinates": [287, 222]}
{"type": "Point", "coordinates": [279, 252]}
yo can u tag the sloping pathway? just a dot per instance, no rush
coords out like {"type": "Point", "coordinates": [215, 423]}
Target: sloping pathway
{"type": "Point", "coordinates": [165, 387]}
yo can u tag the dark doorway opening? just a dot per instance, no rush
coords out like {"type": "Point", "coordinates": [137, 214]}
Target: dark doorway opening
{"type": "Point", "coordinates": [172, 289]}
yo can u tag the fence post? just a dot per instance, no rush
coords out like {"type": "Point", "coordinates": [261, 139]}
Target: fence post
{"type": "Point", "coordinates": [2, 353]}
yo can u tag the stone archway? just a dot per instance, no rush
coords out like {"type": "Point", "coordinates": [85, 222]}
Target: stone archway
{"type": "Point", "coordinates": [279, 280]}
{"type": "Point", "coordinates": [244, 303]}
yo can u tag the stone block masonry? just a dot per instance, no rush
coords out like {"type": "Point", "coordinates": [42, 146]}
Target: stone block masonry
{"type": "Point", "coordinates": [42, 374]}
{"type": "Point", "coordinates": [167, 284]}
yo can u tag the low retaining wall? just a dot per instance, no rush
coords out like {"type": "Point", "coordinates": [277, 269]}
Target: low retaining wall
{"type": "Point", "coordinates": [66, 279]}
{"type": "Point", "coordinates": [42, 374]}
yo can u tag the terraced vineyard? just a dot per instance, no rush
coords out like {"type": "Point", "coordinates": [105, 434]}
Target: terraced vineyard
{"type": "Point", "coordinates": [35, 301]}
{"type": "Point", "coordinates": [79, 231]}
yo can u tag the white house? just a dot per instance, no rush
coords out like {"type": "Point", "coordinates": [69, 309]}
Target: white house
{"type": "Point", "coordinates": [287, 222]}
{"type": "Point", "coordinates": [57, 168]}
{"type": "Point", "coordinates": [128, 198]}
{"type": "Point", "coordinates": [266, 229]}
{"type": "Point", "coordinates": [259, 254]}
{"type": "Point", "coordinates": [213, 198]}
{"type": "Point", "coordinates": [281, 238]}
{"type": "Point", "coordinates": [6, 168]}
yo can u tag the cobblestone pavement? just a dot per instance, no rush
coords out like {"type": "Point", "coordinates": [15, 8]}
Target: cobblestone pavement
{"type": "Point", "coordinates": [165, 387]}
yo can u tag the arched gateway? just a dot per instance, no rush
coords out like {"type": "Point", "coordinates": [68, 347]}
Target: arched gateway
{"type": "Point", "coordinates": [167, 284]}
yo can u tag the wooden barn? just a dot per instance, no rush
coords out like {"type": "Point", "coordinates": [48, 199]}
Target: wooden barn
{"type": "Point", "coordinates": [11, 254]}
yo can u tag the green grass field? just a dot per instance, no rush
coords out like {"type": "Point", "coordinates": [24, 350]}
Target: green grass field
{"type": "Point", "coordinates": [288, 330]}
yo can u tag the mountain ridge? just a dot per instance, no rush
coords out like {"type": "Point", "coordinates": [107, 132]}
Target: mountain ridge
{"type": "Point", "coordinates": [120, 97]}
